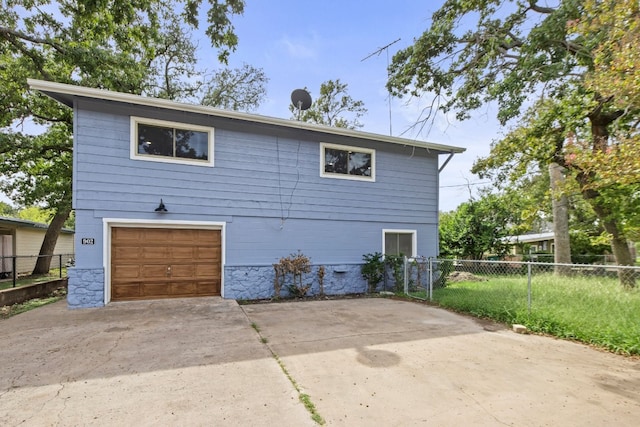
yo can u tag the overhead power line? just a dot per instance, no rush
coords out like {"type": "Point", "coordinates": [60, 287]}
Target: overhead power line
{"type": "Point", "coordinates": [466, 185]}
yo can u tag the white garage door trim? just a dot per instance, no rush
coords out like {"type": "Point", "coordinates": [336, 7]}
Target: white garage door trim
{"type": "Point", "coordinates": [109, 223]}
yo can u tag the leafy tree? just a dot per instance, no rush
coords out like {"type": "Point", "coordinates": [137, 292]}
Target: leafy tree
{"type": "Point", "coordinates": [616, 69]}
{"type": "Point", "coordinates": [560, 209]}
{"type": "Point", "coordinates": [478, 227]}
{"type": "Point", "coordinates": [172, 70]}
{"type": "Point", "coordinates": [241, 89]}
{"type": "Point", "coordinates": [331, 106]}
{"type": "Point", "coordinates": [41, 215]}
{"type": "Point", "coordinates": [108, 44]}
{"type": "Point", "coordinates": [174, 75]}
{"type": "Point", "coordinates": [522, 50]}
{"type": "Point", "coordinates": [7, 210]}
{"type": "Point", "coordinates": [35, 214]}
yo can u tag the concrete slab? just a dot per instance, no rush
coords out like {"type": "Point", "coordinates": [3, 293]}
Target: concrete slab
{"type": "Point", "coordinates": [384, 362]}
{"type": "Point", "coordinates": [164, 362]}
{"type": "Point", "coordinates": [361, 361]}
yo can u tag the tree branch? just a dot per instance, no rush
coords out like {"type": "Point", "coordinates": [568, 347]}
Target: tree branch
{"type": "Point", "coordinates": [48, 119]}
{"type": "Point", "coordinates": [536, 8]}
{"type": "Point", "coordinates": [37, 62]}
{"type": "Point", "coordinates": [12, 34]}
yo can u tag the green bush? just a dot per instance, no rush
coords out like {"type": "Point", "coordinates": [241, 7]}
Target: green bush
{"type": "Point", "coordinates": [372, 270]}
{"type": "Point", "coordinates": [396, 264]}
{"type": "Point", "coordinates": [445, 267]}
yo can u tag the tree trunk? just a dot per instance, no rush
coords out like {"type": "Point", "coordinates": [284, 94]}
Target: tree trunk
{"type": "Point", "coordinates": [49, 243]}
{"type": "Point", "coordinates": [559, 203]}
{"type": "Point", "coordinates": [619, 245]}
{"type": "Point", "coordinates": [620, 248]}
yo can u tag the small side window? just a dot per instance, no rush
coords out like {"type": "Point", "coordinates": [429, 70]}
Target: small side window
{"type": "Point", "coordinates": [399, 242]}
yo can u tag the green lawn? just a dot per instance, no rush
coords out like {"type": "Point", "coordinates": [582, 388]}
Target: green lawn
{"type": "Point", "coordinates": [593, 310]}
{"type": "Point", "coordinates": [11, 310]}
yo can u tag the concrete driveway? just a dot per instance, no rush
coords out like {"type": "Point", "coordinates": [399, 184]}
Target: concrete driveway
{"type": "Point", "coordinates": [361, 362]}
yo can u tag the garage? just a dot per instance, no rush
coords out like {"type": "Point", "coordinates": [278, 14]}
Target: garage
{"type": "Point", "coordinates": [149, 263]}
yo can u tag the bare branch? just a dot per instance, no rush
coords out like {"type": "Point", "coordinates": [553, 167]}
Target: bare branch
{"type": "Point", "coordinates": [540, 9]}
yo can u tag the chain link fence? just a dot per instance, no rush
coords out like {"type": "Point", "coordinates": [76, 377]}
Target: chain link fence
{"type": "Point", "coordinates": [598, 304]}
{"type": "Point", "coordinates": [511, 282]}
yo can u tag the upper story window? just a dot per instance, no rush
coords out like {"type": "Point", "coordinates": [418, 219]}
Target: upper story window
{"type": "Point", "coordinates": [163, 141]}
{"type": "Point", "coordinates": [341, 161]}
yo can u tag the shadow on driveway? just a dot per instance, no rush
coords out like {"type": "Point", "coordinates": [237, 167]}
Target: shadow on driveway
{"type": "Point", "coordinates": [362, 362]}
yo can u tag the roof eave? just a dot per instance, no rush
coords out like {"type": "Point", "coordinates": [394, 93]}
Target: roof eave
{"type": "Point", "coordinates": [65, 93]}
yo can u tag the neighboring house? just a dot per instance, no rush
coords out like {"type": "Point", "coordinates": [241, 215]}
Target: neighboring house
{"type": "Point", "coordinates": [23, 239]}
{"type": "Point", "coordinates": [175, 200]}
{"type": "Point", "coordinates": [536, 242]}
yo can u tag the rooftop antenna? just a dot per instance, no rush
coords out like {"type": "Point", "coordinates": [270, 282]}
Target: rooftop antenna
{"type": "Point", "coordinates": [301, 100]}
{"type": "Point", "coordinates": [378, 52]}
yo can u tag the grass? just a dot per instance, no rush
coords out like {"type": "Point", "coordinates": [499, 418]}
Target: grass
{"type": "Point", "coordinates": [11, 310]}
{"type": "Point", "coordinates": [304, 398]}
{"type": "Point", "coordinates": [593, 310]}
{"type": "Point", "coordinates": [30, 280]}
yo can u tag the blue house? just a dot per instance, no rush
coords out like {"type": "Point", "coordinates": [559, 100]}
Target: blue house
{"type": "Point", "coordinates": [175, 200]}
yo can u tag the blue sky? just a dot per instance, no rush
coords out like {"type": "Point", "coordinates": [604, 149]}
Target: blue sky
{"type": "Point", "coordinates": [304, 43]}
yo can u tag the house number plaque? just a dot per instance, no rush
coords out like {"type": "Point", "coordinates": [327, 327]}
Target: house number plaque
{"type": "Point", "coordinates": [88, 241]}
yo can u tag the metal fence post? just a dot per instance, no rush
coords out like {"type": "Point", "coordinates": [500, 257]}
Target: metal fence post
{"type": "Point", "coordinates": [406, 273]}
{"type": "Point", "coordinates": [529, 286]}
{"type": "Point", "coordinates": [430, 279]}
{"type": "Point", "coordinates": [14, 265]}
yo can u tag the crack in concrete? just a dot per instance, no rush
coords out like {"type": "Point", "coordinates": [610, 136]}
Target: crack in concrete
{"type": "Point", "coordinates": [304, 398]}
{"type": "Point", "coordinates": [64, 404]}
{"type": "Point", "coordinates": [481, 406]}
{"type": "Point", "coordinates": [12, 384]}
{"type": "Point", "coordinates": [107, 355]}
{"type": "Point", "coordinates": [37, 411]}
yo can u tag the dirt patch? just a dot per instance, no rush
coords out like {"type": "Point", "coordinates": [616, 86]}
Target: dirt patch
{"type": "Point", "coordinates": [305, 298]}
{"type": "Point", "coordinates": [463, 276]}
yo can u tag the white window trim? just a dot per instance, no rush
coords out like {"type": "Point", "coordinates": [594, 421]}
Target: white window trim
{"type": "Point", "coordinates": [324, 174]}
{"type": "Point", "coordinates": [134, 155]}
{"type": "Point", "coordinates": [109, 223]}
{"type": "Point", "coordinates": [414, 239]}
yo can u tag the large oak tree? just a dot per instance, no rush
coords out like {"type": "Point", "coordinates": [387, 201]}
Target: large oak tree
{"type": "Point", "coordinates": [515, 52]}
{"type": "Point", "coordinates": [110, 44]}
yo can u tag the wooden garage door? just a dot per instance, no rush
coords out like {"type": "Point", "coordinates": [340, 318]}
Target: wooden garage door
{"type": "Point", "coordinates": [164, 263]}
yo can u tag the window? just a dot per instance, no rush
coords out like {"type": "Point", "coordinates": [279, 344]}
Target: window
{"type": "Point", "coordinates": [341, 161]}
{"type": "Point", "coordinates": [399, 242]}
{"type": "Point", "coordinates": [162, 141]}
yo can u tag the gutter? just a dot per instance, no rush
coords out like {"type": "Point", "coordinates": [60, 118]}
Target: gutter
{"type": "Point", "coordinates": [65, 93]}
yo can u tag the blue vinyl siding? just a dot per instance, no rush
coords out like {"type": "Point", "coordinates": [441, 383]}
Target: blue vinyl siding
{"type": "Point", "coordinates": [264, 241]}
{"type": "Point", "coordinates": [265, 184]}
